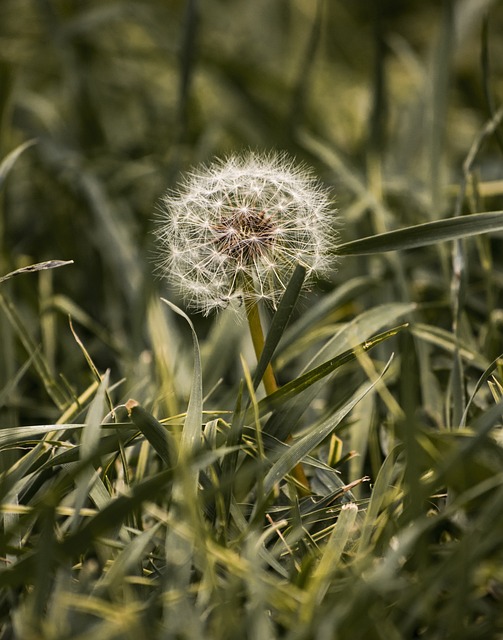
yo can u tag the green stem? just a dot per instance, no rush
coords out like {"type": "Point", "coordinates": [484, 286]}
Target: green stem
{"type": "Point", "coordinates": [257, 336]}
{"type": "Point", "coordinates": [269, 380]}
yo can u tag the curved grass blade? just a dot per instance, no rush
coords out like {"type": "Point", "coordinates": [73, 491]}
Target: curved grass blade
{"type": "Point", "coordinates": [56, 391]}
{"type": "Point", "coordinates": [483, 378]}
{"type": "Point", "coordinates": [131, 556]}
{"type": "Point", "coordinates": [192, 429]}
{"type": "Point", "coordinates": [425, 234]}
{"type": "Point", "coordinates": [78, 542]}
{"type": "Point", "coordinates": [10, 159]}
{"type": "Point", "coordinates": [89, 445]}
{"type": "Point", "coordinates": [40, 266]}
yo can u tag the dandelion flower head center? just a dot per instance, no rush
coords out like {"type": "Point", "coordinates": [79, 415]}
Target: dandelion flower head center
{"type": "Point", "coordinates": [246, 234]}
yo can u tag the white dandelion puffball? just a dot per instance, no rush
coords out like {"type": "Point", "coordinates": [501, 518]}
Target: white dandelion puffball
{"type": "Point", "coordinates": [236, 229]}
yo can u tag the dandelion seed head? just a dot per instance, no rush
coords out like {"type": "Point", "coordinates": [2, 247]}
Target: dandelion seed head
{"type": "Point", "coordinates": [237, 229]}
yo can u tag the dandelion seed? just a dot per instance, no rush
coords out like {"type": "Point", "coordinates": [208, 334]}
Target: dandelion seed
{"type": "Point", "coordinates": [236, 229]}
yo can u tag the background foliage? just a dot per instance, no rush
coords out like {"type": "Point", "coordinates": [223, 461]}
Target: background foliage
{"type": "Point", "coordinates": [104, 529]}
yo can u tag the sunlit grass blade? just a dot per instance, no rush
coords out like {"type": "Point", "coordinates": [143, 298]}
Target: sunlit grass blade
{"type": "Point", "coordinates": [127, 561]}
{"type": "Point", "coordinates": [330, 558]}
{"type": "Point", "coordinates": [448, 342]}
{"type": "Point", "coordinates": [90, 440]}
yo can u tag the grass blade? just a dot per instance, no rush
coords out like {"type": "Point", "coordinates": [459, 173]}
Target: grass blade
{"type": "Point", "coordinates": [425, 234]}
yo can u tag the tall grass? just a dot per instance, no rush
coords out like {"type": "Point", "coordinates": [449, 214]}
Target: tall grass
{"type": "Point", "coordinates": [146, 477]}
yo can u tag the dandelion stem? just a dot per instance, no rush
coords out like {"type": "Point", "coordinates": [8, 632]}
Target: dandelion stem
{"type": "Point", "coordinates": [257, 336]}
{"type": "Point", "coordinates": [269, 380]}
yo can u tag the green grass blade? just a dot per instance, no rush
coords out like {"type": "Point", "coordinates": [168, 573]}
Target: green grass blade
{"type": "Point", "coordinates": [153, 431]}
{"type": "Point", "coordinates": [425, 234]}
{"type": "Point", "coordinates": [127, 560]}
{"type": "Point", "coordinates": [321, 578]}
{"type": "Point", "coordinates": [192, 429]}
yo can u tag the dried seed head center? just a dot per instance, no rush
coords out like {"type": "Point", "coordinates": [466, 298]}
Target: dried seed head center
{"type": "Point", "coordinates": [245, 234]}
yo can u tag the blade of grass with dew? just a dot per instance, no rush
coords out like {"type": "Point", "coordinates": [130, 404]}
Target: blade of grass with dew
{"type": "Point", "coordinates": [425, 234]}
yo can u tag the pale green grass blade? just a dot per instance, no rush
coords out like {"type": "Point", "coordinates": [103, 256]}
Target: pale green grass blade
{"type": "Point", "coordinates": [127, 561]}
{"type": "Point", "coordinates": [329, 560]}
{"type": "Point", "coordinates": [10, 160]}
{"type": "Point", "coordinates": [90, 440]}
{"type": "Point", "coordinates": [360, 329]}
{"type": "Point", "coordinates": [355, 332]}
{"type": "Point", "coordinates": [386, 489]}
{"type": "Point", "coordinates": [480, 382]}
{"type": "Point", "coordinates": [179, 550]}
{"type": "Point", "coordinates": [447, 341]}
{"type": "Point", "coordinates": [192, 429]}
{"type": "Point", "coordinates": [425, 234]}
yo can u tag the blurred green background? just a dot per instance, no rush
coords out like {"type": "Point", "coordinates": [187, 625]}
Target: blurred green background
{"type": "Point", "coordinates": [383, 98]}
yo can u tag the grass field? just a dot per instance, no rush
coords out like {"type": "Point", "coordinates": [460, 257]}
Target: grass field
{"type": "Point", "coordinates": [154, 482]}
